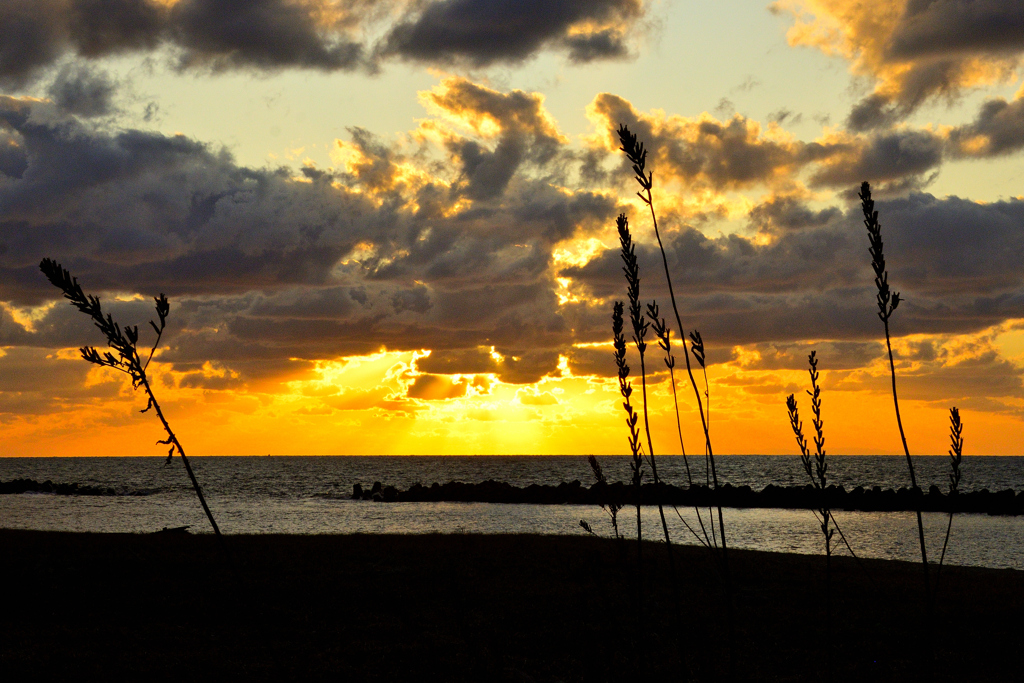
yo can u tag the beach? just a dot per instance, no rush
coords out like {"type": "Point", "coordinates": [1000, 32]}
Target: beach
{"type": "Point", "coordinates": [464, 607]}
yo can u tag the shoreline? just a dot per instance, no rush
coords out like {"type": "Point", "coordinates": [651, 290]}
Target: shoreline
{"type": "Point", "coordinates": [482, 607]}
{"type": "Point", "coordinates": [1007, 502]}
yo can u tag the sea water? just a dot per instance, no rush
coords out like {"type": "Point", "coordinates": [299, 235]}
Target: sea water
{"type": "Point", "coordinates": [312, 495]}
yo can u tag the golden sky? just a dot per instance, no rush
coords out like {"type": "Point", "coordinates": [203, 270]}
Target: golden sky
{"type": "Point", "coordinates": [389, 227]}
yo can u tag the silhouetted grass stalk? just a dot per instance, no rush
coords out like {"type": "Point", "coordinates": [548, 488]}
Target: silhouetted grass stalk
{"type": "Point", "coordinates": [820, 464]}
{"type": "Point", "coordinates": [640, 328]}
{"type": "Point", "coordinates": [636, 464]}
{"type": "Point", "coordinates": [626, 390]}
{"type": "Point", "coordinates": [611, 508]}
{"type": "Point", "coordinates": [697, 349]}
{"type": "Point", "coordinates": [820, 483]}
{"type": "Point", "coordinates": [124, 342]}
{"type": "Point", "coordinates": [664, 334]}
{"type": "Point", "coordinates": [637, 155]}
{"type": "Point", "coordinates": [956, 452]}
{"type": "Point", "coordinates": [887, 303]}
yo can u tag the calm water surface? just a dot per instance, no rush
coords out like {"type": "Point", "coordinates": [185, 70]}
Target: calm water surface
{"type": "Point", "coordinates": [311, 495]}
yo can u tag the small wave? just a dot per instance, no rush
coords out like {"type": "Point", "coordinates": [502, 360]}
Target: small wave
{"type": "Point", "coordinates": [73, 489]}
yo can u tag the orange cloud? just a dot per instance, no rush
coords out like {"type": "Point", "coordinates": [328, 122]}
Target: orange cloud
{"type": "Point", "coordinates": [913, 51]}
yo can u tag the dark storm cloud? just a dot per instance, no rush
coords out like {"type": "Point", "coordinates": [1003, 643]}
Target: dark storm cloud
{"type": "Point", "coordinates": [36, 33]}
{"type": "Point", "coordinates": [263, 267]}
{"type": "Point", "coordinates": [13, 160]}
{"type": "Point", "coordinates": [895, 155]}
{"type": "Point", "coordinates": [943, 27]}
{"type": "Point", "coordinates": [266, 266]}
{"type": "Point", "coordinates": [789, 213]}
{"type": "Point", "coordinates": [998, 129]}
{"type": "Point", "coordinates": [920, 83]}
{"type": "Point", "coordinates": [308, 34]}
{"type": "Point", "coordinates": [956, 263]}
{"type": "Point", "coordinates": [587, 47]}
{"type": "Point", "coordinates": [483, 32]}
{"type": "Point", "coordinates": [797, 260]}
{"type": "Point", "coordinates": [874, 111]}
{"type": "Point", "coordinates": [82, 91]}
{"type": "Point", "coordinates": [266, 34]}
{"type": "Point", "coordinates": [953, 245]}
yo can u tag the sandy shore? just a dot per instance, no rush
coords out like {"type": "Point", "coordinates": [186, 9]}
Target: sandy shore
{"type": "Point", "coordinates": [483, 608]}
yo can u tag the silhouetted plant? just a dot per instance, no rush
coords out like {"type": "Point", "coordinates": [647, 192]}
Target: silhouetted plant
{"type": "Point", "coordinates": [664, 334]}
{"type": "Point", "coordinates": [637, 463]}
{"type": "Point", "coordinates": [124, 341]}
{"type": "Point", "coordinates": [697, 349]}
{"type": "Point", "coordinates": [640, 328]}
{"type": "Point", "coordinates": [637, 155]}
{"type": "Point", "coordinates": [820, 467]}
{"type": "Point", "coordinates": [612, 508]}
{"type": "Point", "coordinates": [626, 390]}
{"type": "Point", "coordinates": [956, 453]}
{"type": "Point", "coordinates": [887, 302]}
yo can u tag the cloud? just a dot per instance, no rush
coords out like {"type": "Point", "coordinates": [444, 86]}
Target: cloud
{"type": "Point", "coordinates": [36, 33]}
{"type": "Point", "coordinates": [950, 369]}
{"type": "Point", "coordinates": [324, 35]}
{"type": "Point", "coordinates": [265, 34]}
{"type": "Point", "coordinates": [436, 388]}
{"type": "Point", "coordinates": [532, 397]}
{"type": "Point", "coordinates": [833, 355]}
{"type": "Point", "coordinates": [524, 130]}
{"type": "Point", "coordinates": [268, 269]}
{"type": "Point", "coordinates": [915, 51]}
{"type": "Point", "coordinates": [703, 154]}
{"type": "Point", "coordinates": [38, 382]}
{"type": "Point", "coordinates": [13, 159]}
{"type": "Point", "coordinates": [902, 155]}
{"type": "Point", "coordinates": [522, 365]}
{"type": "Point", "coordinates": [955, 262]}
{"type": "Point", "coordinates": [82, 91]}
{"type": "Point", "coordinates": [931, 27]}
{"type": "Point", "coordinates": [272, 270]}
{"type": "Point", "coordinates": [782, 213]}
{"type": "Point", "coordinates": [484, 32]}
{"type": "Point", "coordinates": [997, 130]}
{"type": "Point", "coordinates": [722, 155]}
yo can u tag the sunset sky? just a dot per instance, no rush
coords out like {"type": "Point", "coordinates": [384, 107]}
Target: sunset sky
{"type": "Point", "coordinates": [388, 226]}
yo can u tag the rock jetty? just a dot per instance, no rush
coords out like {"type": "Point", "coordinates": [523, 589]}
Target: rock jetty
{"type": "Point", "coordinates": [1005, 502]}
{"type": "Point", "coordinates": [33, 486]}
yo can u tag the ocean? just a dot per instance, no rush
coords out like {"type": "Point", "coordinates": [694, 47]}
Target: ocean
{"type": "Point", "coordinates": [312, 495]}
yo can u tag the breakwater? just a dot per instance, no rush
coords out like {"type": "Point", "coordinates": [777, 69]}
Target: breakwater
{"type": "Point", "coordinates": [1006, 502]}
{"type": "Point", "coordinates": [32, 486]}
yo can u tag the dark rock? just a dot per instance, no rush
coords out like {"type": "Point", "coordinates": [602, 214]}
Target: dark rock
{"type": "Point", "coordinates": [805, 497]}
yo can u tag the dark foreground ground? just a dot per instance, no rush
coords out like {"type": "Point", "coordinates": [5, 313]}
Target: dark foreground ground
{"type": "Point", "coordinates": [482, 608]}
